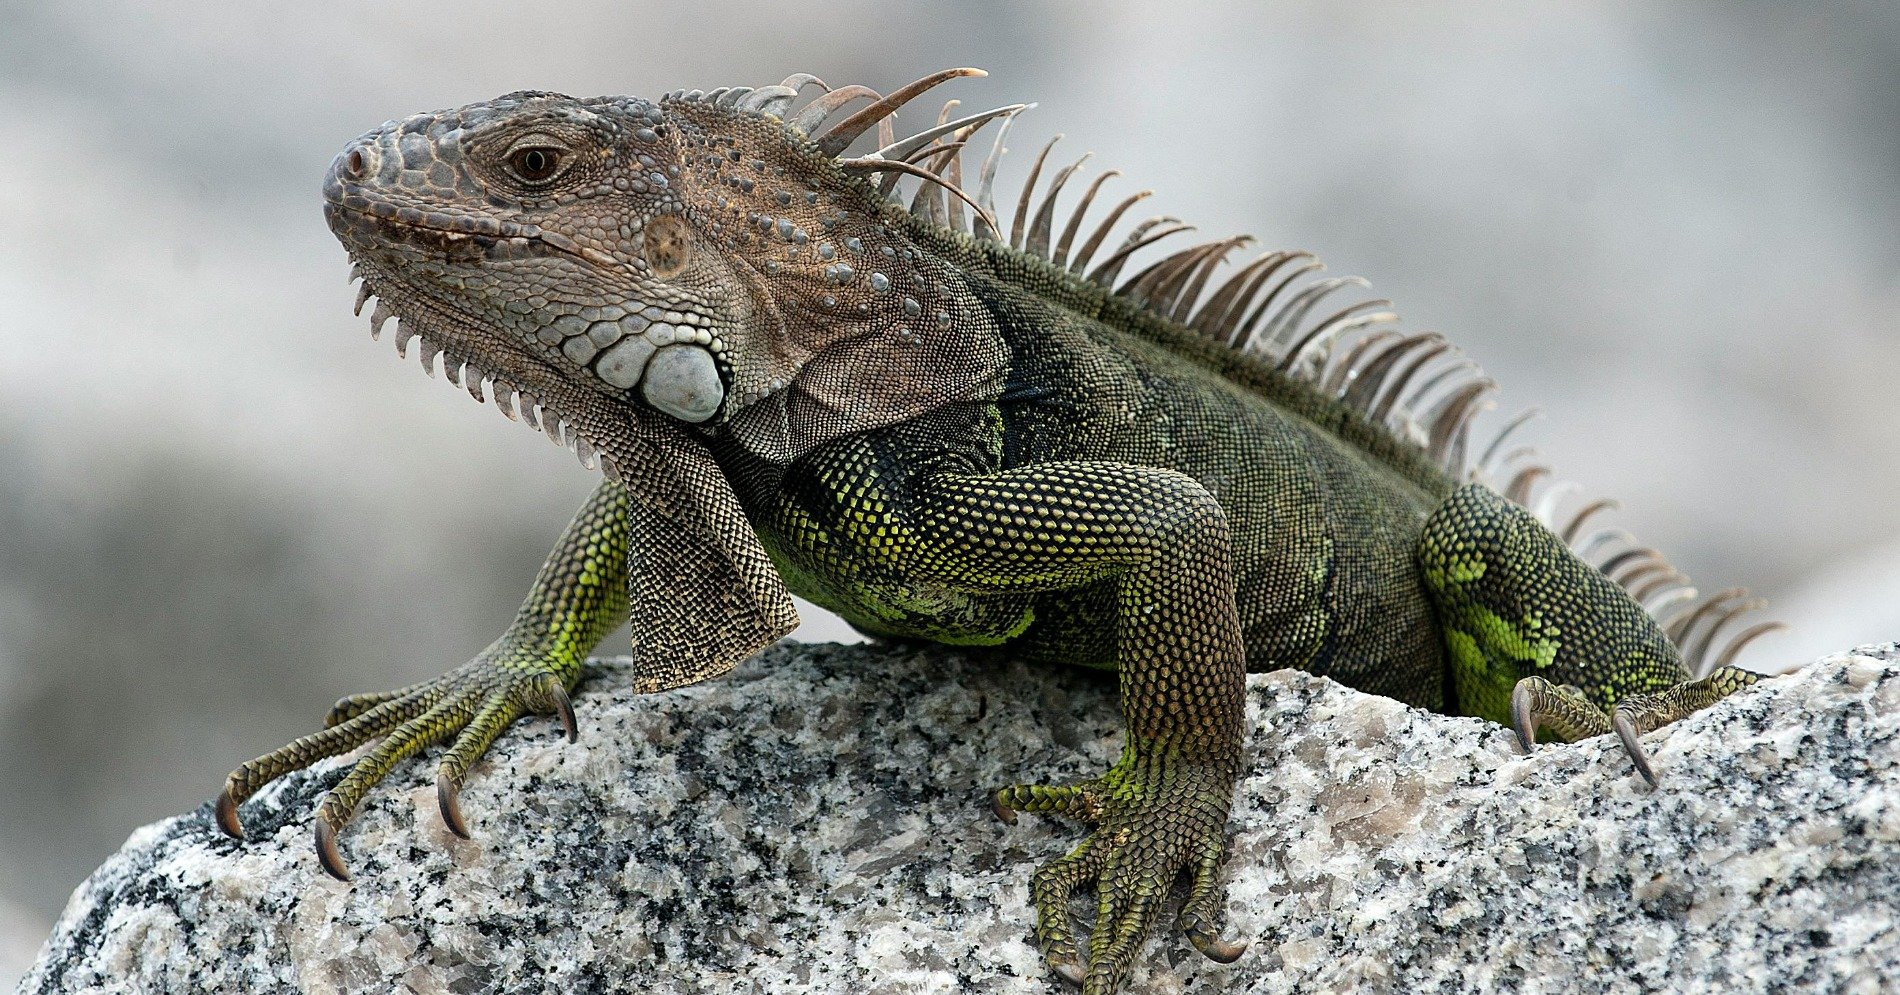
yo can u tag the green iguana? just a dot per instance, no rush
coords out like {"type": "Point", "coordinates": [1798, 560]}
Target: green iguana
{"type": "Point", "coordinates": [942, 430]}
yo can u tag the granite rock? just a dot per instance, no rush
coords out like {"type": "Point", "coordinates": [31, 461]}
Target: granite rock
{"type": "Point", "coordinates": [816, 822]}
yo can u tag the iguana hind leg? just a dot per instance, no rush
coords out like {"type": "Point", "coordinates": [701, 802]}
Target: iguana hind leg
{"type": "Point", "coordinates": [1541, 640]}
{"type": "Point", "coordinates": [579, 597]}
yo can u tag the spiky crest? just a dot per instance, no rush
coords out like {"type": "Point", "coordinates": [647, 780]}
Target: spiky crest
{"type": "Point", "coordinates": [1411, 399]}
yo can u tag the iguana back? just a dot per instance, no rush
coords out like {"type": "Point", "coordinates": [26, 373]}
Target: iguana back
{"type": "Point", "coordinates": [1323, 531]}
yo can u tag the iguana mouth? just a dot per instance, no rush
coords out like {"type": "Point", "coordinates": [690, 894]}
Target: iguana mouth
{"type": "Point", "coordinates": [363, 222]}
{"type": "Point", "coordinates": [672, 353]}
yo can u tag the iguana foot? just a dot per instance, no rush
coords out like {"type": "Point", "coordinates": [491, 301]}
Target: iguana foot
{"type": "Point", "coordinates": [471, 705]}
{"type": "Point", "coordinates": [1562, 709]}
{"type": "Point", "coordinates": [1154, 817]}
{"type": "Point", "coordinates": [1567, 712]}
{"type": "Point", "coordinates": [1639, 713]}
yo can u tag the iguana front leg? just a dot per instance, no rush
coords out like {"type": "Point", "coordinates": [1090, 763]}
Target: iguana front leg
{"type": "Point", "coordinates": [579, 596]}
{"type": "Point", "coordinates": [1163, 807]}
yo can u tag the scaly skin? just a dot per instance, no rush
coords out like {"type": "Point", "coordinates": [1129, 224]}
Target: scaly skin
{"type": "Point", "coordinates": [792, 383]}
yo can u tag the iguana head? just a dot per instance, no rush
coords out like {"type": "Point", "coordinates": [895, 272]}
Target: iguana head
{"type": "Point", "coordinates": [540, 229]}
{"type": "Point", "coordinates": [699, 257]}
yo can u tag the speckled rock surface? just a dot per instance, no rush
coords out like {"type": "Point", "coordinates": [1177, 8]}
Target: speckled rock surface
{"type": "Point", "coordinates": [815, 822]}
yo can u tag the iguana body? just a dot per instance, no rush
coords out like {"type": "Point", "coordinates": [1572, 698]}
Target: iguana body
{"type": "Point", "coordinates": [947, 434]}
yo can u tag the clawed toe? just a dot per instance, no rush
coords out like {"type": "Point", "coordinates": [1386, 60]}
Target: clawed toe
{"type": "Point", "coordinates": [1567, 711]}
{"type": "Point", "coordinates": [1562, 708]}
{"type": "Point", "coordinates": [1524, 716]}
{"type": "Point", "coordinates": [1218, 951]}
{"type": "Point", "coordinates": [550, 694]}
{"type": "Point", "coordinates": [564, 707]}
{"type": "Point", "coordinates": [1152, 825]}
{"type": "Point", "coordinates": [1211, 946]}
{"type": "Point", "coordinates": [1200, 913]}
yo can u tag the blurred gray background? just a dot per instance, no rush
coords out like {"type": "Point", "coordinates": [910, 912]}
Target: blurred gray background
{"type": "Point", "coordinates": [222, 506]}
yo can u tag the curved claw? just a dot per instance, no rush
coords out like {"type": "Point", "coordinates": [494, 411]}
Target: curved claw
{"type": "Point", "coordinates": [1218, 951]}
{"type": "Point", "coordinates": [564, 708]}
{"type": "Point", "coordinates": [1003, 812]}
{"type": "Point", "coordinates": [227, 815]}
{"type": "Point", "coordinates": [1070, 970]}
{"type": "Point", "coordinates": [327, 854]}
{"type": "Point", "coordinates": [1523, 717]}
{"type": "Point", "coordinates": [1197, 913]}
{"type": "Point", "coordinates": [1626, 731]}
{"type": "Point", "coordinates": [448, 800]}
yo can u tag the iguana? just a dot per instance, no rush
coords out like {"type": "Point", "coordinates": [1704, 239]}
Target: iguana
{"type": "Point", "coordinates": [938, 429]}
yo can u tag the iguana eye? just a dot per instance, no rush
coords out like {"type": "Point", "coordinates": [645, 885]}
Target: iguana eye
{"type": "Point", "coordinates": [536, 163]}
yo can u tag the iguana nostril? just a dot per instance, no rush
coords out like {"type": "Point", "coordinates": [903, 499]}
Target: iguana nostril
{"type": "Point", "coordinates": [354, 164]}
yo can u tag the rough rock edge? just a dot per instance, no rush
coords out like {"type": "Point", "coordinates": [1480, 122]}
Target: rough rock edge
{"type": "Point", "coordinates": [815, 822]}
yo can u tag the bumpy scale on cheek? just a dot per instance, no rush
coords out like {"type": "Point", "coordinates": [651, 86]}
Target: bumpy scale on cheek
{"type": "Point", "coordinates": [622, 365]}
{"type": "Point", "coordinates": [670, 355]}
{"type": "Point", "coordinates": [683, 381]}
